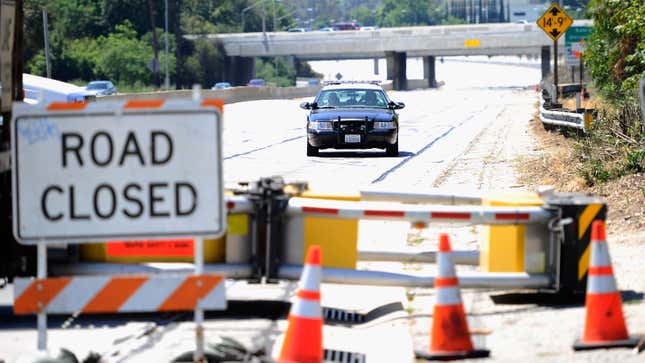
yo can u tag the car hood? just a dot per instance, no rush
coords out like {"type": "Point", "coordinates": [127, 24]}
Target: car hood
{"type": "Point", "coordinates": [357, 113]}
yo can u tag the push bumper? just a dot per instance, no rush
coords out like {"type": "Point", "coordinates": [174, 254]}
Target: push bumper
{"type": "Point", "coordinates": [371, 139]}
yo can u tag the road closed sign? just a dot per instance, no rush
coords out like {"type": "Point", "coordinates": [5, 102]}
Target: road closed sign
{"type": "Point", "coordinates": [116, 170]}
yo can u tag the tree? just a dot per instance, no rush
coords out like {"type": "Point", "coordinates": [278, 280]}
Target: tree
{"type": "Point", "coordinates": [616, 51]}
{"type": "Point", "coordinates": [123, 57]}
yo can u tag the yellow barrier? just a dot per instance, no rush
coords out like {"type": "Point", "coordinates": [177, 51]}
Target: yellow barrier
{"type": "Point", "coordinates": [502, 246]}
{"type": "Point", "coordinates": [337, 237]}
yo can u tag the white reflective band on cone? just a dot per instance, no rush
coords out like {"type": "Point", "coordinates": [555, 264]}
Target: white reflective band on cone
{"type": "Point", "coordinates": [306, 309]}
{"type": "Point", "coordinates": [600, 254]}
{"type": "Point", "coordinates": [601, 284]}
{"type": "Point", "coordinates": [446, 266]}
{"type": "Point", "coordinates": [310, 279]}
{"type": "Point", "coordinates": [448, 296]}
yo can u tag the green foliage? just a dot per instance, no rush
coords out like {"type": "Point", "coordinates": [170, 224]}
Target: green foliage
{"type": "Point", "coordinates": [123, 57]}
{"type": "Point", "coordinates": [278, 72]}
{"type": "Point", "coordinates": [615, 57]}
{"type": "Point", "coordinates": [616, 52]}
{"type": "Point", "coordinates": [205, 66]}
{"type": "Point", "coordinates": [607, 153]}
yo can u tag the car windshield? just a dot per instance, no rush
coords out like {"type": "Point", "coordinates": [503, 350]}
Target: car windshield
{"type": "Point", "coordinates": [352, 98]}
{"type": "Point", "coordinates": [98, 85]}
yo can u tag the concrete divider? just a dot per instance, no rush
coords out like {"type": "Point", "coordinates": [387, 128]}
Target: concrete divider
{"type": "Point", "coordinates": [231, 95]}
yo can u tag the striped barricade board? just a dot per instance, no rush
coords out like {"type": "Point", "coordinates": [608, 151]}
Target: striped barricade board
{"type": "Point", "coordinates": [119, 294]}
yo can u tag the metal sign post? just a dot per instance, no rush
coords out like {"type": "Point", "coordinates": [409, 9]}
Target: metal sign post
{"type": "Point", "coordinates": [555, 70]}
{"type": "Point", "coordinates": [641, 93]}
{"type": "Point", "coordinates": [555, 22]}
{"type": "Point", "coordinates": [199, 312]}
{"type": "Point", "coordinates": [42, 315]}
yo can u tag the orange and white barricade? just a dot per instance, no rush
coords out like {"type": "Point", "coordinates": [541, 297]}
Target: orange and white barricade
{"type": "Point", "coordinates": [119, 294]}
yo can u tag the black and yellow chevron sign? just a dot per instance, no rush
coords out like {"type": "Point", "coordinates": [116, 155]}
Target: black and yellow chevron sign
{"type": "Point", "coordinates": [590, 213]}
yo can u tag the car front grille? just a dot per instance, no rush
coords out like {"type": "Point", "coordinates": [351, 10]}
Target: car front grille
{"type": "Point", "coordinates": [353, 126]}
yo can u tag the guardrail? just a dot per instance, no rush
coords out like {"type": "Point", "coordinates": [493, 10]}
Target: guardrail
{"type": "Point", "coordinates": [573, 119]}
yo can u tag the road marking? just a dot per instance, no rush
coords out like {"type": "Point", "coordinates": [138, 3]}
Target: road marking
{"type": "Point", "coordinates": [263, 148]}
{"type": "Point", "coordinates": [421, 151]}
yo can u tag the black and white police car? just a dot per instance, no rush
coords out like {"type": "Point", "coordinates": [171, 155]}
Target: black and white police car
{"type": "Point", "coordinates": [352, 115]}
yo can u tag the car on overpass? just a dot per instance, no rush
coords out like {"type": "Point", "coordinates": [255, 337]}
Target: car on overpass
{"type": "Point", "coordinates": [352, 115]}
{"type": "Point", "coordinates": [101, 88]}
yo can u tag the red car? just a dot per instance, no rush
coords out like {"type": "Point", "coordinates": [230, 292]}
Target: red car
{"type": "Point", "coordinates": [347, 26]}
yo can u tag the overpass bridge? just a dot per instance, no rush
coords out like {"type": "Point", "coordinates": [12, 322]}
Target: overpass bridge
{"type": "Point", "coordinates": [394, 44]}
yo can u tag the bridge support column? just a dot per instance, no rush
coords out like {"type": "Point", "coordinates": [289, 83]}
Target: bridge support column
{"type": "Point", "coordinates": [429, 71]}
{"type": "Point", "coordinates": [376, 65]}
{"type": "Point", "coordinates": [239, 70]}
{"type": "Point", "coordinates": [546, 61]}
{"type": "Point", "coordinates": [396, 70]}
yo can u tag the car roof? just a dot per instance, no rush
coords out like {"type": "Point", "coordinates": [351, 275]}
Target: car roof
{"type": "Point", "coordinates": [355, 86]}
{"type": "Point", "coordinates": [99, 82]}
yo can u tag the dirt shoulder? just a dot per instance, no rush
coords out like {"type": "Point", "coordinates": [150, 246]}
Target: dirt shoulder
{"type": "Point", "coordinates": [554, 163]}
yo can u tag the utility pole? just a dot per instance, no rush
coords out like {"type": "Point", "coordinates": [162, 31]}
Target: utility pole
{"type": "Point", "coordinates": [167, 80]}
{"type": "Point", "coordinates": [264, 19]}
{"type": "Point", "coordinates": [264, 25]}
{"type": "Point", "coordinates": [155, 45]}
{"type": "Point", "coordinates": [275, 23]}
{"type": "Point", "coordinates": [46, 36]}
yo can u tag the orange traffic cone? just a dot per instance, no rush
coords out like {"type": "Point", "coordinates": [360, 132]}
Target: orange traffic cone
{"type": "Point", "coordinates": [604, 324]}
{"type": "Point", "coordinates": [450, 338]}
{"type": "Point", "coordinates": [303, 339]}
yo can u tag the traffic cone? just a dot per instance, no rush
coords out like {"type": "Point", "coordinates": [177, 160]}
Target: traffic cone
{"type": "Point", "coordinates": [450, 338]}
{"type": "Point", "coordinates": [604, 323]}
{"type": "Point", "coordinates": [303, 339]}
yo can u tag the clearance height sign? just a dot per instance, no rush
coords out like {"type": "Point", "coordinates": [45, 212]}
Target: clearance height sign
{"type": "Point", "coordinates": [108, 170]}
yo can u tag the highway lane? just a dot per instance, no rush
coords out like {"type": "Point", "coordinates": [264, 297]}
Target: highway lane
{"type": "Point", "coordinates": [434, 130]}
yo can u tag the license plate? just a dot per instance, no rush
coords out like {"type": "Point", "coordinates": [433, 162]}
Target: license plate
{"type": "Point", "coordinates": [352, 138]}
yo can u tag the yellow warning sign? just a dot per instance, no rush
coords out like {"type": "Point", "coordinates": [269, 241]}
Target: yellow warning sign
{"type": "Point", "coordinates": [554, 21]}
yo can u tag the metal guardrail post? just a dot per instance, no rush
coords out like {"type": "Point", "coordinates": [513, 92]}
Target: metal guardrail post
{"type": "Point", "coordinates": [563, 118]}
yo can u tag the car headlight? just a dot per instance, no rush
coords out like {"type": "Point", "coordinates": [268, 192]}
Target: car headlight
{"type": "Point", "coordinates": [321, 125]}
{"type": "Point", "coordinates": [383, 125]}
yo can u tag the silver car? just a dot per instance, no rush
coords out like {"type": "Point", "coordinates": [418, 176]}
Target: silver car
{"type": "Point", "coordinates": [101, 88]}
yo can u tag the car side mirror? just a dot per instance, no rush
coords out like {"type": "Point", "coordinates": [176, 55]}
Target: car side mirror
{"type": "Point", "coordinates": [305, 106]}
{"type": "Point", "coordinates": [396, 105]}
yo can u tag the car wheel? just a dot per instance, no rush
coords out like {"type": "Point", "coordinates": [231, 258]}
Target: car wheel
{"type": "Point", "coordinates": [392, 150]}
{"type": "Point", "coordinates": [311, 150]}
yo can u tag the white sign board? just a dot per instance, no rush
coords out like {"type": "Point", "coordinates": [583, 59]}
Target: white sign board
{"type": "Point", "coordinates": [112, 170]}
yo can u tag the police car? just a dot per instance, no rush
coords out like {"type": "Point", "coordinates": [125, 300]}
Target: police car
{"type": "Point", "coordinates": [352, 115]}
